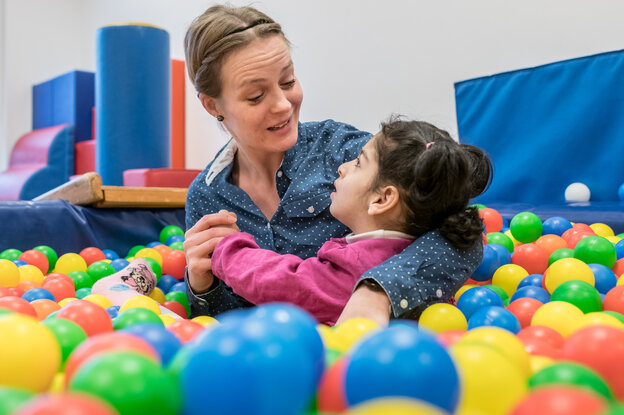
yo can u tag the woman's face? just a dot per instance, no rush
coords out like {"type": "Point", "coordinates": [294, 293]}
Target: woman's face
{"type": "Point", "coordinates": [260, 96]}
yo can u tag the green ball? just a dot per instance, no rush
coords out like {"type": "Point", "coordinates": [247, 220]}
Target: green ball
{"type": "Point", "coordinates": [560, 254]}
{"type": "Point", "coordinates": [501, 239]}
{"type": "Point", "coordinates": [5, 311]}
{"type": "Point", "coordinates": [579, 293]}
{"type": "Point", "coordinates": [574, 374]}
{"type": "Point", "coordinates": [132, 383]}
{"type": "Point", "coordinates": [331, 355]}
{"type": "Point", "coordinates": [100, 269]}
{"type": "Point", "coordinates": [68, 334]}
{"type": "Point", "coordinates": [81, 279]}
{"type": "Point", "coordinates": [12, 398]}
{"type": "Point", "coordinates": [10, 254]}
{"type": "Point", "coordinates": [155, 266]}
{"type": "Point", "coordinates": [83, 292]}
{"type": "Point", "coordinates": [181, 298]}
{"type": "Point", "coordinates": [49, 253]}
{"type": "Point", "coordinates": [478, 206]}
{"type": "Point", "coordinates": [617, 409]}
{"type": "Point", "coordinates": [498, 290]}
{"type": "Point", "coordinates": [52, 315]}
{"type": "Point", "coordinates": [136, 315]}
{"type": "Point", "coordinates": [526, 227]}
{"type": "Point", "coordinates": [132, 252]}
{"type": "Point", "coordinates": [169, 231]}
{"type": "Point", "coordinates": [177, 246]}
{"type": "Point", "coordinates": [596, 250]}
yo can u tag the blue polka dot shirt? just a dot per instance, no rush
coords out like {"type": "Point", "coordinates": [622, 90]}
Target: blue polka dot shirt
{"type": "Point", "coordinates": [429, 270]}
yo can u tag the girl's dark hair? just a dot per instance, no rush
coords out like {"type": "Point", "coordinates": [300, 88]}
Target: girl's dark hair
{"type": "Point", "coordinates": [435, 177]}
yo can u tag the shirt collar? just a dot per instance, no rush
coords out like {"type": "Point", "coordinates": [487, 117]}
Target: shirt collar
{"type": "Point", "coordinates": [379, 233]}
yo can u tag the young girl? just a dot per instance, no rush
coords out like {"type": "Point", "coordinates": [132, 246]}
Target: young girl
{"type": "Point", "coordinates": [411, 183]}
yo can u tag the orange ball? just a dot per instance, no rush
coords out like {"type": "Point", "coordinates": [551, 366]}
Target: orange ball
{"type": "Point", "coordinates": [492, 220]}
{"type": "Point", "coordinates": [174, 264]}
{"type": "Point", "coordinates": [618, 268]}
{"type": "Point", "coordinates": [185, 330]}
{"type": "Point", "coordinates": [163, 250]}
{"type": "Point", "coordinates": [28, 285]}
{"type": "Point", "coordinates": [550, 243]}
{"type": "Point", "coordinates": [92, 318]}
{"type": "Point", "coordinates": [44, 307]}
{"type": "Point", "coordinates": [92, 254]}
{"type": "Point", "coordinates": [35, 258]}
{"type": "Point", "coordinates": [60, 287]}
{"type": "Point", "coordinates": [18, 305]}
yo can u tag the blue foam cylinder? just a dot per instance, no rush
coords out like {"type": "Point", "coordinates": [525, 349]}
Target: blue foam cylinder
{"type": "Point", "coordinates": [133, 100]}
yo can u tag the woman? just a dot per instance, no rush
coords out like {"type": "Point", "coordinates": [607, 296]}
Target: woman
{"type": "Point", "coordinates": [276, 174]}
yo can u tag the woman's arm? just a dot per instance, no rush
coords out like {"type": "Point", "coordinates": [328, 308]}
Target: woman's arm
{"type": "Point", "coordinates": [369, 301]}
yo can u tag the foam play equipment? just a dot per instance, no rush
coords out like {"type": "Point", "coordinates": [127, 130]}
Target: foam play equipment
{"type": "Point", "coordinates": [133, 100]}
{"type": "Point", "coordinates": [65, 99]}
{"type": "Point", "coordinates": [85, 157]}
{"type": "Point", "coordinates": [178, 77]}
{"type": "Point", "coordinates": [40, 160]}
{"type": "Point", "coordinates": [159, 177]}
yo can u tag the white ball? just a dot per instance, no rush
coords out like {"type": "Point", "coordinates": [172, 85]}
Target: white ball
{"type": "Point", "coordinates": [577, 192]}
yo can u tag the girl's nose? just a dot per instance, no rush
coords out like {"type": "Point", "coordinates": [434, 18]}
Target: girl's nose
{"type": "Point", "coordinates": [341, 169]}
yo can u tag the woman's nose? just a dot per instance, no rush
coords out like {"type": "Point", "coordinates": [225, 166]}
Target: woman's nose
{"type": "Point", "coordinates": [281, 103]}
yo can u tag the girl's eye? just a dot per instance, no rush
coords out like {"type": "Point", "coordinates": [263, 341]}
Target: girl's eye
{"type": "Point", "coordinates": [357, 161]}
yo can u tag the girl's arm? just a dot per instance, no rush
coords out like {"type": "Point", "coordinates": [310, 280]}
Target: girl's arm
{"type": "Point", "coordinates": [369, 302]}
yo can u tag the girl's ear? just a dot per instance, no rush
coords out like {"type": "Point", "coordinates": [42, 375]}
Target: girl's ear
{"type": "Point", "coordinates": [383, 201]}
{"type": "Point", "coordinates": [209, 104]}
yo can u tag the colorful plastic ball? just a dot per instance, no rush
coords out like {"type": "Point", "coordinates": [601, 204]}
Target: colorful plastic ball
{"type": "Point", "coordinates": [531, 257]}
{"type": "Point", "coordinates": [354, 330]}
{"type": "Point", "coordinates": [580, 293]}
{"type": "Point", "coordinates": [10, 254]}
{"type": "Point", "coordinates": [537, 293]}
{"type": "Point", "coordinates": [70, 262]}
{"type": "Point", "coordinates": [152, 244]}
{"type": "Point", "coordinates": [567, 269]}
{"type": "Point", "coordinates": [508, 277]}
{"type": "Point", "coordinates": [19, 262]}
{"type": "Point", "coordinates": [154, 266]}
{"type": "Point", "coordinates": [174, 238]}
{"type": "Point", "coordinates": [523, 309]}
{"type": "Point", "coordinates": [108, 375]}
{"type": "Point", "coordinates": [44, 307]}
{"type": "Point", "coordinates": [66, 403]}
{"type": "Point", "coordinates": [119, 264]}
{"type": "Point", "coordinates": [110, 254]}
{"type": "Point", "coordinates": [18, 305]}
{"type": "Point", "coordinates": [331, 395]}
{"type": "Point", "coordinates": [149, 253]}
{"type": "Point", "coordinates": [142, 302]}
{"type": "Point", "coordinates": [134, 316]}
{"type": "Point", "coordinates": [598, 318]}
{"type": "Point", "coordinates": [81, 279]}
{"type": "Point", "coordinates": [158, 295]}
{"type": "Point", "coordinates": [561, 400]}
{"type": "Point", "coordinates": [92, 254]}
{"type": "Point", "coordinates": [12, 398]}
{"type": "Point", "coordinates": [60, 288]}
{"type": "Point", "coordinates": [395, 406]}
{"type": "Point", "coordinates": [68, 335]}
{"type": "Point", "coordinates": [498, 290]}
{"type": "Point", "coordinates": [30, 273]}
{"type": "Point", "coordinates": [596, 250]}
{"type": "Point", "coordinates": [442, 317]}
{"type": "Point", "coordinates": [100, 269]}
{"type": "Point", "coordinates": [577, 192]}
{"type": "Point", "coordinates": [179, 297]}
{"type": "Point", "coordinates": [9, 273]}
{"type": "Point", "coordinates": [489, 264]}
{"type": "Point", "coordinates": [605, 278]}
{"type": "Point", "coordinates": [599, 348]}
{"type": "Point", "coordinates": [491, 382]}
{"type": "Point", "coordinates": [36, 258]}
{"type": "Point", "coordinates": [402, 361]}
{"type": "Point", "coordinates": [503, 341]}
{"type": "Point", "coordinates": [83, 292]}
{"type": "Point", "coordinates": [174, 264]}
{"type": "Point", "coordinates": [572, 374]}
{"type": "Point", "coordinates": [185, 330]}
{"type": "Point", "coordinates": [534, 280]}
{"type": "Point", "coordinates": [558, 315]}
{"type": "Point", "coordinates": [492, 220]}
{"type": "Point", "coordinates": [166, 282]}
{"type": "Point", "coordinates": [177, 246]}
{"type": "Point", "coordinates": [602, 229]}
{"type": "Point", "coordinates": [555, 225]}
{"type": "Point", "coordinates": [113, 311]}
{"type": "Point", "coordinates": [526, 227]}
{"type": "Point", "coordinates": [37, 294]}
{"type": "Point", "coordinates": [29, 353]}
{"type": "Point", "coordinates": [618, 269]}
{"type": "Point", "coordinates": [560, 254]}
{"type": "Point", "coordinates": [619, 249]}
{"type": "Point", "coordinates": [98, 299]}
{"type": "Point", "coordinates": [575, 237]}
{"type": "Point", "coordinates": [176, 308]}
{"type": "Point", "coordinates": [614, 300]}
{"type": "Point", "coordinates": [169, 231]}
{"type": "Point", "coordinates": [134, 250]}
{"type": "Point", "coordinates": [91, 317]}
{"type": "Point", "coordinates": [494, 316]}
{"type": "Point", "coordinates": [205, 320]}
{"type": "Point", "coordinates": [178, 286]}
{"type": "Point", "coordinates": [162, 340]}
{"type": "Point", "coordinates": [501, 239]}
{"type": "Point", "coordinates": [476, 298]}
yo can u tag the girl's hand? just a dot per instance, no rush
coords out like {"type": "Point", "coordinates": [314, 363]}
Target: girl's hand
{"type": "Point", "coordinates": [368, 303]}
{"type": "Point", "coordinates": [199, 243]}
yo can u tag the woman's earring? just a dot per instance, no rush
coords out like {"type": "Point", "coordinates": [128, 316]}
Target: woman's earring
{"type": "Point", "coordinates": [219, 118]}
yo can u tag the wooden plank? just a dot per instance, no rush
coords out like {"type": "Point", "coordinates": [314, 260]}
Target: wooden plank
{"type": "Point", "coordinates": [84, 190]}
{"type": "Point", "coordinates": [142, 197]}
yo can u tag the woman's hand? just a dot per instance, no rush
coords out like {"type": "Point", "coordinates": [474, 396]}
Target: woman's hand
{"type": "Point", "coordinates": [368, 303]}
{"type": "Point", "coordinates": [199, 243]}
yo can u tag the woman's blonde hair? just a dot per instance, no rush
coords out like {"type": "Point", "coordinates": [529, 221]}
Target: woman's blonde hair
{"type": "Point", "coordinates": [215, 34]}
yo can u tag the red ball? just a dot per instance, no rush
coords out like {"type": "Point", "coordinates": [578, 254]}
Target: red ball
{"type": "Point", "coordinates": [18, 305]}
{"type": "Point", "coordinates": [13, 291]}
{"type": "Point", "coordinates": [583, 227]}
{"type": "Point", "coordinates": [185, 330]}
{"type": "Point", "coordinates": [537, 347]}
{"type": "Point", "coordinates": [60, 287]}
{"type": "Point", "coordinates": [575, 236]}
{"type": "Point", "coordinates": [450, 337]}
{"type": "Point", "coordinates": [614, 300]}
{"type": "Point", "coordinates": [492, 220]}
{"type": "Point", "coordinates": [543, 333]}
{"type": "Point", "coordinates": [92, 254]}
{"type": "Point", "coordinates": [67, 403]}
{"type": "Point", "coordinates": [618, 268]}
{"type": "Point", "coordinates": [57, 276]}
{"type": "Point", "coordinates": [331, 391]}
{"type": "Point", "coordinates": [36, 258]}
{"type": "Point", "coordinates": [176, 308]}
{"type": "Point", "coordinates": [531, 257]}
{"type": "Point", "coordinates": [92, 318]}
{"type": "Point", "coordinates": [106, 342]}
{"type": "Point", "coordinates": [600, 348]}
{"type": "Point", "coordinates": [523, 309]}
{"type": "Point", "coordinates": [561, 400]}
{"type": "Point", "coordinates": [174, 264]}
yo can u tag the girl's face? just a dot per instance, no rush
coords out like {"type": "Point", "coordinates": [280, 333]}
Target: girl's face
{"type": "Point", "coordinates": [353, 193]}
{"type": "Point", "coordinates": [260, 97]}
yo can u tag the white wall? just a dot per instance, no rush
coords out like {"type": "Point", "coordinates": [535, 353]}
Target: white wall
{"type": "Point", "coordinates": [358, 60]}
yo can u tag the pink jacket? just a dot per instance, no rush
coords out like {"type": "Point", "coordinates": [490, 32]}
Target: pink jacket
{"type": "Point", "coordinates": [321, 285]}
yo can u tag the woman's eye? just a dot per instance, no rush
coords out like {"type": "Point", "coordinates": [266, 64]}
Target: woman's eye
{"type": "Point", "coordinates": [255, 99]}
{"type": "Point", "coordinates": [288, 84]}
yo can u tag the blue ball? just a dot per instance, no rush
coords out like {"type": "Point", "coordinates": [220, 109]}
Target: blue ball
{"type": "Point", "coordinates": [489, 264]}
{"type": "Point", "coordinates": [119, 264]}
{"type": "Point", "coordinates": [477, 297]}
{"type": "Point", "coordinates": [19, 262]}
{"type": "Point", "coordinates": [604, 277]}
{"type": "Point", "coordinates": [402, 361]}
{"type": "Point", "coordinates": [621, 192]}
{"type": "Point", "coordinates": [178, 286]}
{"type": "Point", "coordinates": [153, 244]}
{"type": "Point", "coordinates": [555, 226]}
{"type": "Point", "coordinates": [113, 311]}
{"type": "Point", "coordinates": [162, 340]}
{"type": "Point", "coordinates": [110, 254]}
{"type": "Point", "coordinates": [619, 249]}
{"type": "Point", "coordinates": [166, 282]}
{"type": "Point", "coordinates": [504, 256]}
{"type": "Point", "coordinates": [505, 222]}
{"type": "Point", "coordinates": [174, 238]}
{"type": "Point", "coordinates": [494, 316]}
{"type": "Point", "coordinates": [534, 280]}
{"type": "Point", "coordinates": [38, 294]}
{"type": "Point", "coordinates": [83, 292]}
{"type": "Point", "coordinates": [532, 291]}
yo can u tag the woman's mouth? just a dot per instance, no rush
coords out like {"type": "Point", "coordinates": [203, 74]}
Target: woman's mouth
{"type": "Point", "coordinates": [279, 126]}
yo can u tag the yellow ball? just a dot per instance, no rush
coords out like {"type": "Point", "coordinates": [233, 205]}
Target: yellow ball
{"type": "Point", "coordinates": [58, 384]}
{"type": "Point", "coordinates": [66, 301]}
{"type": "Point", "coordinates": [353, 330]}
{"type": "Point", "coordinates": [567, 269]}
{"type": "Point", "coordinates": [70, 262]}
{"type": "Point", "coordinates": [560, 316]}
{"type": "Point", "coordinates": [149, 253]}
{"type": "Point", "coordinates": [205, 320]}
{"type": "Point", "coordinates": [463, 289]}
{"type": "Point", "coordinates": [491, 383]}
{"type": "Point", "coordinates": [620, 281]}
{"type": "Point", "coordinates": [330, 340]}
{"type": "Point", "coordinates": [9, 273]}
{"type": "Point", "coordinates": [601, 229]}
{"type": "Point", "coordinates": [514, 240]}
{"type": "Point", "coordinates": [508, 277]}
{"type": "Point", "coordinates": [503, 341]}
{"type": "Point", "coordinates": [167, 319]}
{"type": "Point", "coordinates": [30, 273]}
{"type": "Point", "coordinates": [158, 295]}
{"type": "Point", "coordinates": [599, 319]}
{"type": "Point", "coordinates": [442, 317]}
{"type": "Point", "coordinates": [537, 363]}
{"type": "Point", "coordinates": [613, 239]}
{"type": "Point", "coordinates": [394, 406]}
{"type": "Point", "coordinates": [99, 299]}
{"type": "Point", "coordinates": [30, 355]}
{"type": "Point", "coordinates": [140, 301]}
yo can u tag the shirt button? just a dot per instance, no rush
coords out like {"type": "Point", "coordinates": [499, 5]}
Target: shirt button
{"type": "Point", "coordinates": [310, 209]}
{"type": "Point", "coordinates": [279, 173]}
{"type": "Point", "coordinates": [269, 225]}
{"type": "Point", "coordinates": [403, 303]}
